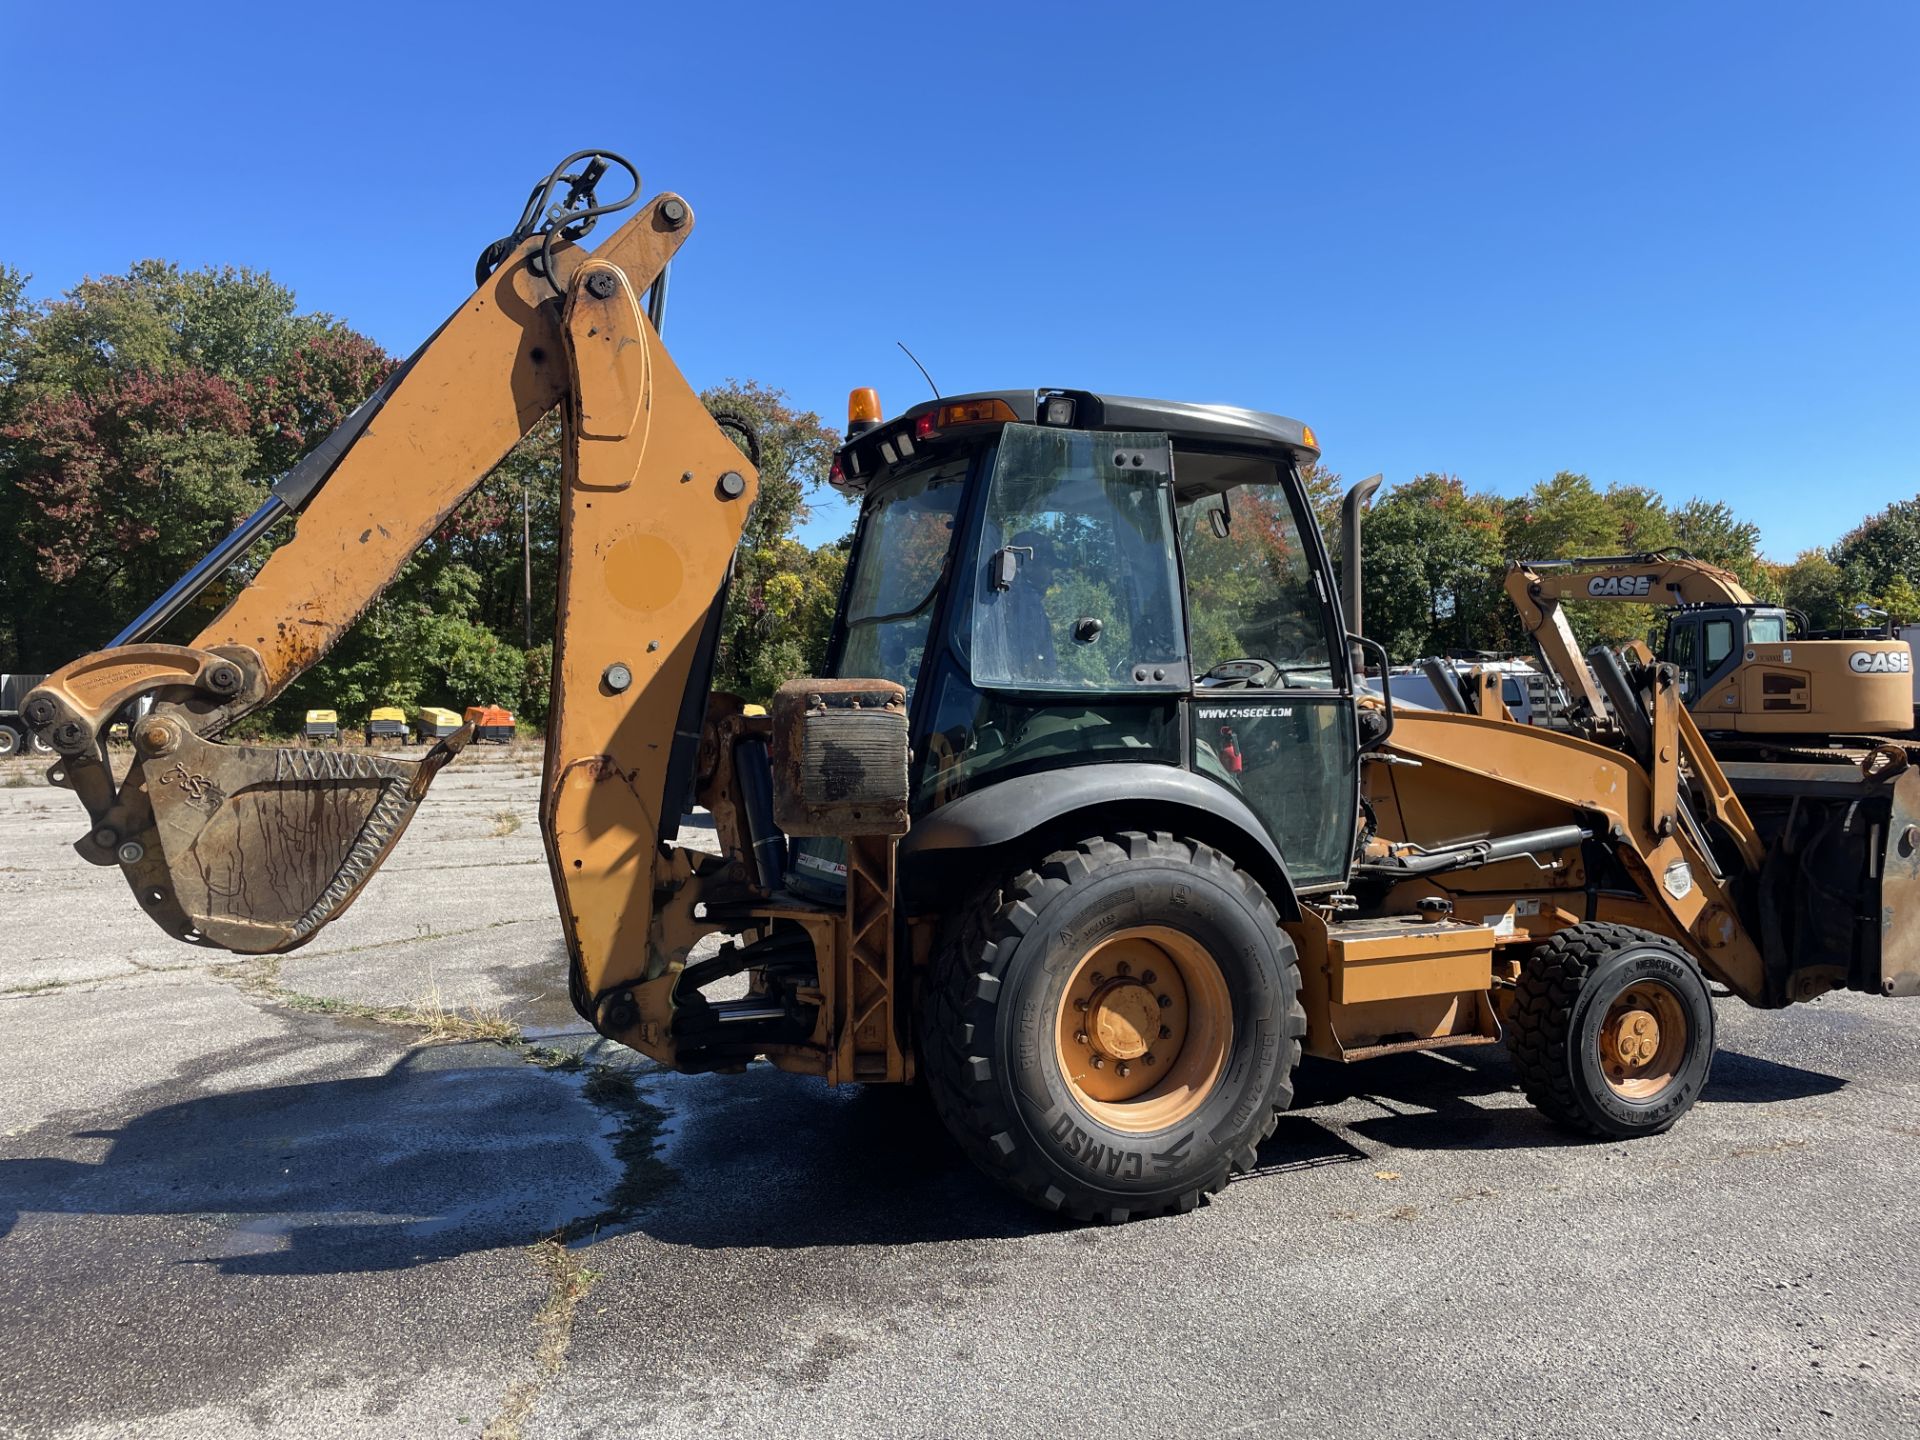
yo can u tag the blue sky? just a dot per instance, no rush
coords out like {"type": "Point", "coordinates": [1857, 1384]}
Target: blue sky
{"type": "Point", "coordinates": [1668, 244]}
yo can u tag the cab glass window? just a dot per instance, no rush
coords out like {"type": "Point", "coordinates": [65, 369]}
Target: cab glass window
{"type": "Point", "coordinates": [1250, 590]}
{"type": "Point", "coordinates": [1766, 629]}
{"type": "Point", "coordinates": [1719, 643]}
{"type": "Point", "coordinates": [1076, 587]}
{"type": "Point", "coordinates": [974, 736]}
{"type": "Point", "coordinates": [1292, 759]}
{"type": "Point", "coordinates": [906, 534]}
{"type": "Point", "coordinates": [1680, 646]}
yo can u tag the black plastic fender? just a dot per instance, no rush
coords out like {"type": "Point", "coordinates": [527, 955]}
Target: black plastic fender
{"type": "Point", "coordinates": [1083, 800]}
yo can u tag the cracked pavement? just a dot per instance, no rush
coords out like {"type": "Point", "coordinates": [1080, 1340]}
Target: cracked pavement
{"type": "Point", "coordinates": [233, 1204]}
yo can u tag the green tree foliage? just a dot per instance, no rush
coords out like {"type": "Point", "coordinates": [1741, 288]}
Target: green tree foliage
{"type": "Point", "coordinates": [780, 608]}
{"type": "Point", "coordinates": [143, 415]}
{"type": "Point", "coordinates": [1817, 588]}
{"type": "Point", "coordinates": [1881, 559]}
{"type": "Point", "coordinates": [1710, 531]}
{"type": "Point", "coordinates": [1430, 569]}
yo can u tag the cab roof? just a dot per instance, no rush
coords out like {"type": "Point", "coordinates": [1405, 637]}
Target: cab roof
{"type": "Point", "coordinates": [1187, 424]}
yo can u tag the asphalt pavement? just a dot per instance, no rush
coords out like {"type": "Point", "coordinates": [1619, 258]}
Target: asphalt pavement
{"type": "Point", "coordinates": [390, 1186]}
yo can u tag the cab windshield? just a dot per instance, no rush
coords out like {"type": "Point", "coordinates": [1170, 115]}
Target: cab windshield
{"type": "Point", "coordinates": [904, 540]}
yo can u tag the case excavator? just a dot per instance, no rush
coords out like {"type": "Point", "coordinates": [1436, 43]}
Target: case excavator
{"type": "Point", "coordinates": [1090, 824]}
{"type": "Point", "coordinates": [1749, 672]}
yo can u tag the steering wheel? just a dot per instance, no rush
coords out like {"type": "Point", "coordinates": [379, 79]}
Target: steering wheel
{"type": "Point", "coordinates": [1244, 674]}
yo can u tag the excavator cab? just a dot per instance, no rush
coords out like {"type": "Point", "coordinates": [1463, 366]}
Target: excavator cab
{"type": "Point", "coordinates": [1706, 643]}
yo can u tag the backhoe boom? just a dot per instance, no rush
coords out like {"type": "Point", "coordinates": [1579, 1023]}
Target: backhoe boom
{"type": "Point", "coordinates": [255, 848]}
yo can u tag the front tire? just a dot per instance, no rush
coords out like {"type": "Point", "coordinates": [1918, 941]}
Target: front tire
{"type": "Point", "coordinates": [10, 740]}
{"type": "Point", "coordinates": [1611, 1030]}
{"type": "Point", "coordinates": [1112, 1033]}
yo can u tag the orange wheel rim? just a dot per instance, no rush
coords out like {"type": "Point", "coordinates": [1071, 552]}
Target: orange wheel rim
{"type": "Point", "coordinates": [1643, 1040]}
{"type": "Point", "coordinates": [1144, 1029]}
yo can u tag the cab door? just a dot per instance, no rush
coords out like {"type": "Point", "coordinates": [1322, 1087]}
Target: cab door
{"type": "Point", "coordinates": [1683, 652]}
{"type": "Point", "coordinates": [1271, 716]}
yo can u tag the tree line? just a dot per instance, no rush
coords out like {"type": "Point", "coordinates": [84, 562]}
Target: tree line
{"type": "Point", "coordinates": [1434, 558]}
{"type": "Point", "coordinates": [143, 415]}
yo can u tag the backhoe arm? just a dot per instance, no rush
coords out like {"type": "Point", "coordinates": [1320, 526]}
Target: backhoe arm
{"type": "Point", "coordinates": [254, 848]}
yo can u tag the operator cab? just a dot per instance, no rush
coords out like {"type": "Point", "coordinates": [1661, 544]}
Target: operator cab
{"type": "Point", "coordinates": [1064, 580]}
{"type": "Point", "coordinates": [1706, 642]}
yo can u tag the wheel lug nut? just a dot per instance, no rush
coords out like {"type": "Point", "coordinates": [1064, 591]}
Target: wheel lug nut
{"type": "Point", "coordinates": [1098, 978]}
{"type": "Point", "coordinates": [1147, 1059]}
{"type": "Point", "coordinates": [1080, 1005]}
{"type": "Point", "coordinates": [1147, 977]}
{"type": "Point", "coordinates": [1097, 1061]}
{"type": "Point", "coordinates": [1166, 1032]}
{"type": "Point", "coordinates": [1166, 1002]}
{"type": "Point", "coordinates": [1079, 1037]}
{"type": "Point", "coordinates": [1123, 1069]}
{"type": "Point", "coordinates": [1124, 968]}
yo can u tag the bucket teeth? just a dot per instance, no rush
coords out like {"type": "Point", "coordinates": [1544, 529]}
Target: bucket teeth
{"type": "Point", "coordinates": [264, 845]}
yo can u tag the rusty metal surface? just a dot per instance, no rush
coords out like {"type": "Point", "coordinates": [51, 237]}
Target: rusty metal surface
{"type": "Point", "coordinates": [840, 757]}
{"type": "Point", "coordinates": [265, 844]}
{"type": "Point", "coordinates": [871, 1044]}
{"type": "Point", "coordinates": [73, 707]}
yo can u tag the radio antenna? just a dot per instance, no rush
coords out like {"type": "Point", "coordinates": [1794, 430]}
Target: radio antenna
{"type": "Point", "coordinates": [921, 368]}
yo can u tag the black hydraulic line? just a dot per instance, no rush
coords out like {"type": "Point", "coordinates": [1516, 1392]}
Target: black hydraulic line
{"type": "Point", "coordinates": [1628, 708]}
{"type": "Point", "coordinates": [183, 591]}
{"type": "Point", "coordinates": [657, 301]}
{"type": "Point", "coordinates": [291, 492]}
{"type": "Point", "coordinates": [1446, 684]}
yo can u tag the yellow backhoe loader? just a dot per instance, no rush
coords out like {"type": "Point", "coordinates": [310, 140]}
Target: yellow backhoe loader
{"type": "Point", "coordinates": [1090, 823]}
{"type": "Point", "coordinates": [1742, 670]}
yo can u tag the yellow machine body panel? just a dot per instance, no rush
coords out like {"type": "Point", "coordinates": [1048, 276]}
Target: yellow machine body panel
{"type": "Point", "coordinates": [1814, 687]}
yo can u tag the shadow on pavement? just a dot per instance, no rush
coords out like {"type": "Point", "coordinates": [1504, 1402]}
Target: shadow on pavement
{"type": "Point", "coordinates": [448, 1153]}
{"type": "Point", "coordinates": [777, 1160]}
{"type": "Point", "coordinates": [436, 1157]}
{"type": "Point", "coordinates": [1427, 1099]}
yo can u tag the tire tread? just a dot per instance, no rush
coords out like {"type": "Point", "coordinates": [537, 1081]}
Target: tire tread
{"type": "Point", "coordinates": [961, 1003]}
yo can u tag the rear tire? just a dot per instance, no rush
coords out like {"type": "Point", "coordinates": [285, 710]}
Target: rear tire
{"type": "Point", "coordinates": [1611, 1031]}
{"type": "Point", "coordinates": [10, 740]}
{"type": "Point", "coordinates": [1159, 957]}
